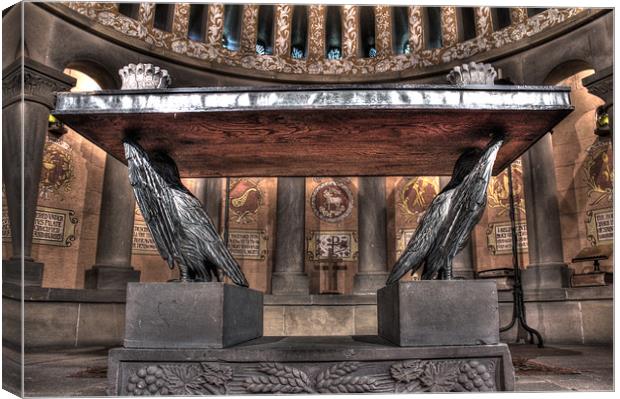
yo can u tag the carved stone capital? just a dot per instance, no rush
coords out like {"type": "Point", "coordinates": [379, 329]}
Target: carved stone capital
{"type": "Point", "coordinates": [473, 73]}
{"type": "Point", "coordinates": [601, 84]}
{"type": "Point", "coordinates": [35, 81]}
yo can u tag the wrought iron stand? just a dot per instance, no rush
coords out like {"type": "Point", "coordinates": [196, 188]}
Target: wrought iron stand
{"type": "Point", "coordinates": [518, 311]}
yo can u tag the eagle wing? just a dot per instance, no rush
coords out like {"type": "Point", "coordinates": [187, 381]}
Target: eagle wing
{"type": "Point", "coordinates": [179, 225]}
{"type": "Point", "coordinates": [424, 237]}
{"type": "Point", "coordinates": [155, 202]}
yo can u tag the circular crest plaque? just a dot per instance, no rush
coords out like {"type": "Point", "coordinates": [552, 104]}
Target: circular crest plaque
{"type": "Point", "coordinates": [332, 201]}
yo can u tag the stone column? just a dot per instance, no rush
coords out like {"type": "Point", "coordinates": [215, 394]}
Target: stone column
{"type": "Point", "coordinates": [209, 192]}
{"type": "Point", "coordinates": [289, 276]}
{"type": "Point", "coordinates": [112, 269]}
{"type": "Point", "coordinates": [463, 262]}
{"type": "Point", "coordinates": [547, 268]}
{"type": "Point", "coordinates": [372, 233]}
{"type": "Point", "coordinates": [25, 112]}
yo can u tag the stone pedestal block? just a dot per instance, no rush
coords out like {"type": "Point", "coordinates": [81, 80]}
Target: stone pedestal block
{"type": "Point", "coordinates": [12, 272]}
{"type": "Point", "coordinates": [110, 277]}
{"type": "Point", "coordinates": [433, 312]}
{"type": "Point", "coordinates": [191, 315]}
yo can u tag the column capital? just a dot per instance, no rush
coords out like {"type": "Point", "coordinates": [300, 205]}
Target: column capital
{"type": "Point", "coordinates": [40, 82]}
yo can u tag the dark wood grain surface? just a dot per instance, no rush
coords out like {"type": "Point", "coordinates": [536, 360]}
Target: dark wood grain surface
{"type": "Point", "coordinates": [313, 143]}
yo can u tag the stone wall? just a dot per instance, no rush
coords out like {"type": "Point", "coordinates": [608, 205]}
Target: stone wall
{"type": "Point", "coordinates": [80, 318]}
{"type": "Point", "coordinates": [331, 232]}
{"type": "Point", "coordinates": [584, 172]}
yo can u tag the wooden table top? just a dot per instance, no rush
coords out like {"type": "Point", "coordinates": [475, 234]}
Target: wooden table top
{"type": "Point", "coordinates": [387, 130]}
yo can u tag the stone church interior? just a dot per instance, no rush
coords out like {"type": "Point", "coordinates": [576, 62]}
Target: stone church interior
{"type": "Point", "coordinates": [318, 139]}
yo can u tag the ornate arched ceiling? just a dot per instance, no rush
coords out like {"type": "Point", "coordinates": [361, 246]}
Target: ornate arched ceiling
{"type": "Point", "coordinates": [489, 39]}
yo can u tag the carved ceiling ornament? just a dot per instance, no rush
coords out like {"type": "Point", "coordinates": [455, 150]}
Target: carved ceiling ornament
{"type": "Point", "coordinates": [449, 33]}
{"type": "Point", "coordinates": [484, 22]}
{"type": "Point", "coordinates": [282, 40]}
{"type": "Point", "coordinates": [212, 51]}
{"type": "Point", "coordinates": [250, 29]}
{"type": "Point", "coordinates": [416, 30]}
{"type": "Point", "coordinates": [350, 31]}
{"type": "Point", "coordinates": [383, 31]}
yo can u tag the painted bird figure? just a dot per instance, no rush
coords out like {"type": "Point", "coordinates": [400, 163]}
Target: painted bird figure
{"type": "Point", "coordinates": [450, 218]}
{"type": "Point", "coordinates": [182, 230]}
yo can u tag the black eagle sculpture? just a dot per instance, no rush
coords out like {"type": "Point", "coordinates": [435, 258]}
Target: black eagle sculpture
{"type": "Point", "coordinates": [450, 218]}
{"type": "Point", "coordinates": [182, 230]}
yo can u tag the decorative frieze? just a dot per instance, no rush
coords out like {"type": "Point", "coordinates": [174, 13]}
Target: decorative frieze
{"type": "Point", "coordinates": [350, 31]}
{"type": "Point", "coordinates": [518, 15]}
{"type": "Point", "coordinates": [416, 29]}
{"type": "Point", "coordinates": [316, 33]}
{"type": "Point", "coordinates": [211, 49]}
{"type": "Point", "coordinates": [180, 22]}
{"type": "Point", "coordinates": [215, 25]}
{"type": "Point", "coordinates": [250, 29]}
{"type": "Point", "coordinates": [383, 31]}
{"type": "Point", "coordinates": [282, 36]}
{"type": "Point", "coordinates": [449, 31]}
{"type": "Point", "coordinates": [484, 22]}
{"type": "Point", "coordinates": [220, 378]}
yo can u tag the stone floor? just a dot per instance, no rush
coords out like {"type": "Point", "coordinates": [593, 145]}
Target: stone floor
{"type": "Point", "coordinates": [81, 372]}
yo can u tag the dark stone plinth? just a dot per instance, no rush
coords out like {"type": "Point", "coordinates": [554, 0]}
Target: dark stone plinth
{"type": "Point", "coordinates": [12, 272]}
{"type": "Point", "coordinates": [434, 312]}
{"type": "Point", "coordinates": [110, 277]}
{"type": "Point", "coordinates": [191, 315]}
{"type": "Point", "coordinates": [271, 365]}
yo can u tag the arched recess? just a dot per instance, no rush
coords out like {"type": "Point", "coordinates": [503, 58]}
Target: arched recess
{"type": "Point", "coordinates": [104, 78]}
{"type": "Point", "coordinates": [565, 70]}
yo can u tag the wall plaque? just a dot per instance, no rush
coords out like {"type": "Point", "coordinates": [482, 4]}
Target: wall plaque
{"type": "Point", "coordinates": [332, 201]}
{"type": "Point", "coordinates": [499, 238]}
{"type": "Point", "coordinates": [142, 241]}
{"type": "Point", "coordinates": [600, 225]}
{"type": "Point", "coordinates": [52, 226]}
{"type": "Point", "coordinates": [247, 244]}
{"type": "Point", "coordinates": [332, 244]}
